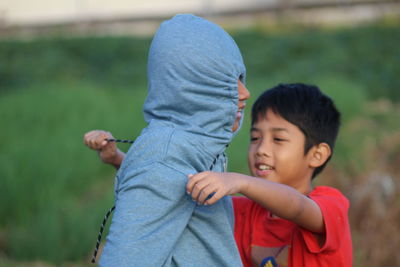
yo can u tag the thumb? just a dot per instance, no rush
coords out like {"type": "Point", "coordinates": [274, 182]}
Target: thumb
{"type": "Point", "coordinates": [104, 143]}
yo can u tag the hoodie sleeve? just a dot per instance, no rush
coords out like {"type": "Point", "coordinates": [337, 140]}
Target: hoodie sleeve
{"type": "Point", "coordinates": [152, 211]}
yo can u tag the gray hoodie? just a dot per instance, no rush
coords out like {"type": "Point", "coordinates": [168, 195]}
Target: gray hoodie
{"type": "Point", "coordinates": [193, 68]}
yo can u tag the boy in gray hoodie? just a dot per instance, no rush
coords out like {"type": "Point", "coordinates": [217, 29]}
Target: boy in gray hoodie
{"type": "Point", "coordinates": [194, 106]}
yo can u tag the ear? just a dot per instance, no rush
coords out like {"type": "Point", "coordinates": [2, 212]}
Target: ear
{"type": "Point", "coordinates": [319, 154]}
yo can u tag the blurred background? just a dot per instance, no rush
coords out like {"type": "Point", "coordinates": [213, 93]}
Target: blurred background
{"type": "Point", "coordinates": [67, 67]}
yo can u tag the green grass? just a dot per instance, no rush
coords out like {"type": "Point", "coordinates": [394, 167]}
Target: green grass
{"type": "Point", "coordinates": [55, 191]}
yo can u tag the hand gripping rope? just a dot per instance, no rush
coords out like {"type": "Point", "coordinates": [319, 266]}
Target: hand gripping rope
{"type": "Point", "coordinates": [103, 224]}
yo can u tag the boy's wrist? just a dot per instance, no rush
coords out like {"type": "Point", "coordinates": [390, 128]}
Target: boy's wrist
{"type": "Point", "coordinates": [116, 160]}
{"type": "Point", "coordinates": [241, 181]}
{"type": "Point", "coordinates": [246, 183]}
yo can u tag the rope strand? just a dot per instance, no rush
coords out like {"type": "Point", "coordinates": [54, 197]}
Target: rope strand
{"type": "Point", "coordinates": [96, 250]}
{"type": "Point", "coordinates": [120, 140]}
{"type": "Point", "coordinates": [101, 233]}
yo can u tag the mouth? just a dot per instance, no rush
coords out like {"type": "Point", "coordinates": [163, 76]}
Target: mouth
{"type": "Point", "coordinates": [264, 167]}
{"type": "Point", "coordinates": [263, 170]}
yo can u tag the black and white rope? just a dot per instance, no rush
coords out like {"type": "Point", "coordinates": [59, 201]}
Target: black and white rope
{"type": "Point", "coordinates": [213, 164]}
{"type": "Point", "coordinates": [101, 233]}
{"type": "Point", "coordinates": [120, 140]}
{"type": "Point", "coordinates": [110, 210]}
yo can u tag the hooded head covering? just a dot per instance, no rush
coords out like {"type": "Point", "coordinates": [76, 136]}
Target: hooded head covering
{"type": "Point", "coordinates": [193, 70]}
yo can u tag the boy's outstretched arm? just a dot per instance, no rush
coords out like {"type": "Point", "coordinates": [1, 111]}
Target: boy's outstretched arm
{"type": "Point", "coordinates": [108, 151]}
{"type": "Point", "coordinates": [281, 200]}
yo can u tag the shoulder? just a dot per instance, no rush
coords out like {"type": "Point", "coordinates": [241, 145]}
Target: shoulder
{"type": "Point", "coordinates": [337, 239]}
{"type": "Point", "coordinates": [325, 190]}
{"type": "Point", "coordinates": [334, 207]}
{"type": "Point", "coordinates": [328, 194]}
{"type": "Point", "coordinates": [149, 147]}
{"type": "Point", "coordinates": [154, 176]}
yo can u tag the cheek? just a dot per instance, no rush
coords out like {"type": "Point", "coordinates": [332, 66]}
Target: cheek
{"type": "Point", "coordinates": [251, 153]}
{"type": "Point", "coordinates": [282, 154]}
{"type": "Point", "coordinates": [250, 156]}
{"type": "Point", "coordinates": [289, 158]}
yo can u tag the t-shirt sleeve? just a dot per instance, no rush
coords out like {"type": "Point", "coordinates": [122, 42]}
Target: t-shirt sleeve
{"type": "Point", "coordinates": [240, 202]}
{"type": "Point", "coordinates": [240, 208]}
{"type": "Point", "coordinates": [334, 207]}
{"type": "Point", "coordinates": [243, 236]}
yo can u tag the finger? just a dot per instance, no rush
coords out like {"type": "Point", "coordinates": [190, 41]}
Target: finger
{"type": "Point", "coordinates": [192, 180]}
{"type": "Point", "coordinates": [103, 143]}
{"type": "Point", "coordinates": [197, 189]}
{"type": "Point", "coordinates": [202, 190]}
{"type": "Point", "coordinates": [89, 133]}
{"type": "Point", "coordinates": [189, 184]}
{"type": "Point", "coordinates": [213, 198]}
{"type": "Point", "coordinates": [109, 135]}
{"type": "Point", "coordinates": [87, 137]}
{"type": "Point", "coordinates": [93, 141]}
{"type": "Point", "coordinates": [109, 147]}
{"type": "Point", "coordinates": [84, 138]}
{"type": "Point", "coordinates": [99, 140]}
{"type": "Point", "coordinates": [90, 137]}
{"type": "Point", "coordinates": [207, 193]}
{"type": "Point", "coordinates": [104, 138]}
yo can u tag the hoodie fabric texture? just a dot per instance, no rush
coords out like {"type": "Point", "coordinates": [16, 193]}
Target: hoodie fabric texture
{"type": "Point", "coordinates": [193, 69]}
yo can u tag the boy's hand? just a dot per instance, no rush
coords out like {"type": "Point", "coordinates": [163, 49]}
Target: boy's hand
{"type": "Point", "coordinates": [208, 187]}
{"type": "Point", "coordinates": [108, 151]}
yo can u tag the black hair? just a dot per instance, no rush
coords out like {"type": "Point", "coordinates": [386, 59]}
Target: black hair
{"type": "Point", "coordinates": [305, 106]}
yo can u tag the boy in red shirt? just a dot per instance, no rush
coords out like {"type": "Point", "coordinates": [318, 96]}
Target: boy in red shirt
{"type": "Point", "coordinates": [282, 220]}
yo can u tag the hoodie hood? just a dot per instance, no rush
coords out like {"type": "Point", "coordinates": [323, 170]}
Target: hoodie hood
{"type": "Point", "coordinates": [193, 69]}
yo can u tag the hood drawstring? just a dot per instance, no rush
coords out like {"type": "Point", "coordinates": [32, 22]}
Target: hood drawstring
{"type": "Point", "coordinates": [103, 224]}
{"type": "Point", "coordinates": [120, 140]}
{"type": "Point", "coordinates": [96, 249]}
{"type": "Point", "coordinates": [101, 233]}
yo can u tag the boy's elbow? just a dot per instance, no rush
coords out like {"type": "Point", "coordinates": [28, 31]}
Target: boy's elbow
{"type": "Point", "coordinates": [308, 215]}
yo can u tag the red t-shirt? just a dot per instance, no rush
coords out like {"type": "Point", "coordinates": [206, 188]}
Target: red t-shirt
{"type": "Point", "coordinates": [260, 235]}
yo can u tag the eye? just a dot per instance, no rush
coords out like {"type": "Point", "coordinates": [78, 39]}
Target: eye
{"type": "Point", "coordinates": [254, 138]}
{"type": "Point", "coordinates": [277, 139]}
{"type": "Point", "coordinates": [255, 135]}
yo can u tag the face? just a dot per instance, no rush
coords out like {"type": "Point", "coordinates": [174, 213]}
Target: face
{"type": "Point", "coordinates": [244, 94]}
{"type": "Point", "coordinates": [276, 152]}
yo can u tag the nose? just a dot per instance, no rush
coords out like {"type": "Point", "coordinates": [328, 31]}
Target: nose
{"type": "Point", "coordinates": [263, 149]}
{"type": "Point", "coordinates": [244, 94]}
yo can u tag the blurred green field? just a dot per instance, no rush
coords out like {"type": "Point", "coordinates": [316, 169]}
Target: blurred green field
{"type": "Point", "coordinates": [55, 191]}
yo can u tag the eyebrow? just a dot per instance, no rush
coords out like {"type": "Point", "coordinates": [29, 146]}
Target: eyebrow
{"type": "Point", "coordinates": [273, 129]}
